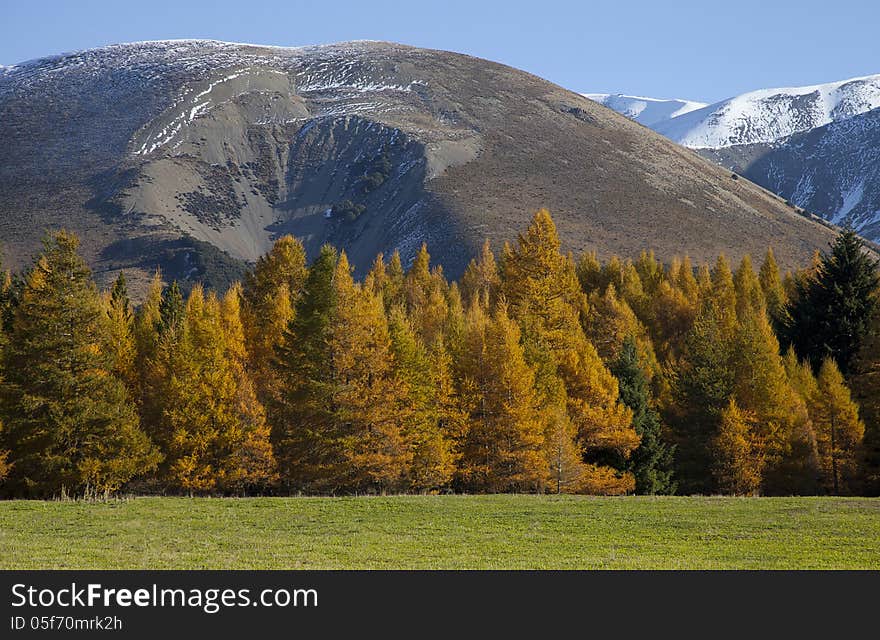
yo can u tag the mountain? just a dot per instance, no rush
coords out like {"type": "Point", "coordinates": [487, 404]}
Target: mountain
{"type": "Point", "coordinates": [194, 155]}
{"type": "Point", "coordinates": [816, 146]}
{"type": "Point", "coordinates": [646, 111]}
{"type": "Point", "coordinates": [834, 170]}
{"type": "Point", "coordinates": [771, 114]}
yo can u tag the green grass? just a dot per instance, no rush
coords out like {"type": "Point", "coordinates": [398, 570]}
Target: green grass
{"type": "Point", "coordinates": [443, 532]}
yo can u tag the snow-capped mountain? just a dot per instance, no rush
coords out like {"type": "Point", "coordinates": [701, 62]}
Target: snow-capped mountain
{"type": "Point", "coordinates": [647, 111]}
{"type": "Point", "coordinates": [816, 146]}
{"type": "Point", "coordinates": [771, 114]}
{"type": "Point", "coordinates": [194, 155]}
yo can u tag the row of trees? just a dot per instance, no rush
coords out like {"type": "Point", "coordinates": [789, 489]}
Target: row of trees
{"type": "Point", "coordinates": [535, 373]}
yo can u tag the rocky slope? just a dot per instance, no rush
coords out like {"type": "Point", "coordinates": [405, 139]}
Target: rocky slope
{"type": "Point", "coordinates": [834, 170]}
{"type": "Point", "coordinates": [194, 155]}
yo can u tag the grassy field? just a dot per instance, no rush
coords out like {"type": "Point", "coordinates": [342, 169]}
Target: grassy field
{"type": "Point", "coordinates": [443, 532]}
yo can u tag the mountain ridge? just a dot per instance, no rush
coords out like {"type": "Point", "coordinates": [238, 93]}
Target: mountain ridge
{"type": "Point", "coordinates": [816, 146]}
{"type": "Point", "coordinates": [183, 154]}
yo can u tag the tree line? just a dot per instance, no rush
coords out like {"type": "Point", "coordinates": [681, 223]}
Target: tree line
{"type": "Point", "coordinates": [537, 372]}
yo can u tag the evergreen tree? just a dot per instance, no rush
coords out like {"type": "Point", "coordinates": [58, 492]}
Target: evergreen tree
{"type": "Point", "coordinates": [865, 385]}
{"type": "Point", "coordinates": [4, 454]}
{"type": "Point", "coordinates": [302, 416]}
{"type": "Point", "coordinates": [704, 380]}
{"type": "Point", "coordinates": [67, 420]}
{"type": "Point", "coordinates": [171, 309]}
{"type": "Point", "coordinates": [651, 462]}
{"type": "Point", "coordinates": [831, 311]}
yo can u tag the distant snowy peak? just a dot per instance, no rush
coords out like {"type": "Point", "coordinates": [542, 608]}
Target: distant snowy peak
{"type": "Point", "coordinates": [768, 115]}
{"type": "Point", "coordinates": [647, 111]}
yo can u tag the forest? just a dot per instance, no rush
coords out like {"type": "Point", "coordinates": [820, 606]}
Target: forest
{"type": "Point", "coordinates": [538, 372]}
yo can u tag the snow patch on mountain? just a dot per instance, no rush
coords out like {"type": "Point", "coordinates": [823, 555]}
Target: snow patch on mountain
{"type": "Point", "coordinates": [647, 111]}
{"type": "Point", "coordinates": [851, 198]}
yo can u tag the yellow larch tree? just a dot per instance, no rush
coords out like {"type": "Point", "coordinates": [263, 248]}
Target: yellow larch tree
{"type": "Point", "coordinates": [839, 431]}
{"type": "Point", "coordinates": [368, 398]}
{"type": "Point", "coordinates": [120, 335]}
{"type": "Point", "coordinates": [481, 279]}
{"type": "Point", "coordinates": [541, 286]}
{"type": "Point", "coordinates": [773, 288]}
{"type": "Point", "coordinates": [212, 428]}
{"type": "Point", "coordinates": [269, 295]}
{"type": "Point", "coordinates": [503, 449]}
{"type": "Point", "coordinates": [737, 462]}
{"type": "Point", "coordinates": [609, 323]}
{"type": "Point", "coordinates": [430, 420]}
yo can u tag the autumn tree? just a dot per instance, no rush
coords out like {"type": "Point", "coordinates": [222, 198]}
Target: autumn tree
{"type": "Point", "coordinates": [839, 431]}
{"type": "Point", "coordinates": [610, 322]}
{"type": "Point", "coordinates": [67, 419]}
{"type": "Point", "coordinates": [774, 290]}
{"type": "Point", "coordinates": [212, 428]}
{"type": "Point", "coordinates": [339, 421]}
{"type": "Point", "coordinates": [481, 279]}
{"type": "Point", "coordinates": [672, 313]}
{"type": "Point", "coordinates": [736, 461]}
{"type": "Point", "coordinates": [431, 419]}
{"type": "Point", "coordinates": [782, 432]}
{"type": "Point", "coordinates": [425, 291]}
{"type": "Point", "coordinates": [121, 345]}
{"type": "Point", "coordinates": [269, 294]}
{"type": "Point", "coordinates": [503, 449]}
{"type": "Point", "coordinates": [145, 328]}
{"type": "Point", "coordinates": [545, 297]}
{"type": "Point", "coordinates": [368, 398]}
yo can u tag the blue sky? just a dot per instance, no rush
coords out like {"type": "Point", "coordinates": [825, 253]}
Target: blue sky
{"type": "Point", "coordinates": [701, 50]}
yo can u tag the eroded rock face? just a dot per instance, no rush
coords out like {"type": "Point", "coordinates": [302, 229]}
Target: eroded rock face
{"type": "Point", "coordinates": [195, 155]}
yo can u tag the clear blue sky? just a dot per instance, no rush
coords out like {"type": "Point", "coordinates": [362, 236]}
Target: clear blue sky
{"type": "Point", "coordinates": [703, 50]}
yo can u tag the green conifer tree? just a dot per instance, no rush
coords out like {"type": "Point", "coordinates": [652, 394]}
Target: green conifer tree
{"type": "Point", "coordinates": [67, 419]}
{"type": "Point", "coordinates": [652, 461]}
